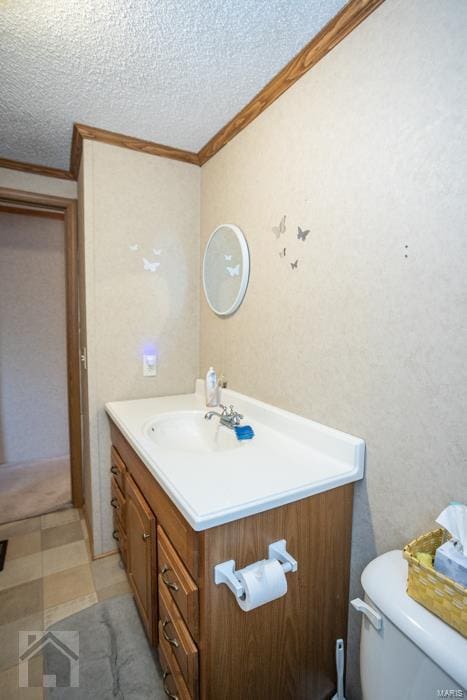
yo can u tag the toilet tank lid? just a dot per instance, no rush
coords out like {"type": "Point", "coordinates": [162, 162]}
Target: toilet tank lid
{"type": "Point", "coordinates": [384, 580]}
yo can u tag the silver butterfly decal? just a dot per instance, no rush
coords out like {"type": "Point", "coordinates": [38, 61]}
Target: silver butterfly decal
{"type": "Point", "coordinates": [301, 235]}
{"type": "Point", "coordinates": [227, 257]}
{"type": "Point", "coordinates": [279, 230]}
{"type": "Point", "coordinates": [294, 265]}
{"type": "Point", "coordinates": [234, 271]}
{"type": "Point", "coordinates": [151, 266]}
{"type": "Point", "coordinates": [156, 252]}
{"type": "Point", "coordinates": [133, 247]}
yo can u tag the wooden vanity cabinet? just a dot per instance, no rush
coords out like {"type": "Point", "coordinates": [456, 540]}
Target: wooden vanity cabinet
{"type": "Point", "coordinates": [118, 503]}
{"type": "Point", "coordinates": [141, 537]}
{"type": "Point", "coordinates": [209, 648]}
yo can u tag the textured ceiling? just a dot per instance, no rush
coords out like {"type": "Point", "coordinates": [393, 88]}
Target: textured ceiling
{"type": "Point", "coordinates": [170, 71]}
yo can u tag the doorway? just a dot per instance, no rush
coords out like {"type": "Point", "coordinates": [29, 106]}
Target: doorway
{"type": "Point", "coordinates": [55, 416]}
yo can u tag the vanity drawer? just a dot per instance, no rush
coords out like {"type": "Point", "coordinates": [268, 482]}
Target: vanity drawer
{"type": "Point", "coordinates": [174, 685]}
{"type": "Point", "coordinates": [175, 579]}
{"type": "Point", "coordinates": [174, 631]}
{"type": "Point", "coordinates": [120, 538]}
{"type": "Point", "coordinates": [118, 469]}
{"type": "Point", "coordinates": [118, 502]}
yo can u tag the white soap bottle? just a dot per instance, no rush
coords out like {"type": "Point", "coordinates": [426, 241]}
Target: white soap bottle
{"type": "Point", "coordinates": [211, 386]}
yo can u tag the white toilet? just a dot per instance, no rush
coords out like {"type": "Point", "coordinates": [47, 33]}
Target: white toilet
{"type": "Point", "coordinates": [406, 652]}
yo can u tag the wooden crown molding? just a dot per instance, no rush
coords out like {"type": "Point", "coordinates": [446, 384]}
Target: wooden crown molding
{"type": "Point", "coordinates": [36, 169]}
{"type": "Point", "coordinates": [351, 15]}
{"type": "Point", "coordinates": [81, 131]}
{"type": "Point", "coordinates": [23, 211]}
{"type": "Point", "coordinates": [332, 34]}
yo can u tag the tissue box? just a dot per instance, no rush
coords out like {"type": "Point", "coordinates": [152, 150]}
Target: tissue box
{"type": "Point", "coordinates": [451, 562]}
{"type": "Point", "coordinates": [435, 591]}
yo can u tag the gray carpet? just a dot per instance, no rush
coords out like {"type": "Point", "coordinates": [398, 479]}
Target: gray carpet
{"type": "Point", "coordinates": [34, 488]}
{"type": "Point", "coordinates": [115, 659]}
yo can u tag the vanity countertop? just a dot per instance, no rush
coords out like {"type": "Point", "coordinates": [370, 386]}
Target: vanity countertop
{"type": "Point", "coordinates": [289, 458]}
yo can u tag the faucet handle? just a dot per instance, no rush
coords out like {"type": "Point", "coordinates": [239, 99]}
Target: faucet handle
{"type": "Point", "coordinates": [224, 409]}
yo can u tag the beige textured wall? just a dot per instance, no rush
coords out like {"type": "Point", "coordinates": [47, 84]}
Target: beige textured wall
{"type": "Point", "coordinates": [33, 384]}
{"type": "Point", "coordinates": [368, 152]}
{"type": "Point", "coordinates": [129, 199]}
{"type": "Point", "coordinates": [29, 182]}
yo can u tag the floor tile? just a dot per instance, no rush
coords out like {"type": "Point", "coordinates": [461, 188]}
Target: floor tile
{"type": "Point", "coordinates": [65, 557]}
{"type": "Point", "coordinates": [60, 517]}
{"type": "Point", "coordinates": [9, 682]}
{"type": "Point", "coordinates": [60, 612]}
{"type": "Point", "coordinates": [63, 534]}
{"type": "Point", "coordinates": [9, 638]}
{"type": "Point", "coordinates": [120, 588]}
{"type": "Point", "coordinates": [107, 571]}
{"type": "Point", "coordinates": [22, 545]}
{"type": "Point", "coordinates": [20, 527]}
{"type": "Point", "coordinates": [21, 601]}
{"type": "Point", "coordinates": [67, 585]}
{"type": "Point", "coordinates": [21, 570]}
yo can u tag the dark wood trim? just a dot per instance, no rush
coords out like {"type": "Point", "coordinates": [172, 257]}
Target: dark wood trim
{"type": "Point", "coordinates": [76, 151]}
{"type": "Point", "coordinates": [81, 131]}
{"type": "Point", "coordinates": [69, 209]}
{"type": "Point", "coordinates": [36, 169]}
{"type": "Point", "coordinates": [337, 29]}
{"type": "Point", "coordinates": [73, 351]}
{"type": "Point", "coordinates": [22, 211]}
{"type": "Point", "coordinates": [332, 34]}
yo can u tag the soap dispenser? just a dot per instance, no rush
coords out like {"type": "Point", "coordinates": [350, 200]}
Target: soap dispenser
{"type": "Point", "coordinates": [212, 388]}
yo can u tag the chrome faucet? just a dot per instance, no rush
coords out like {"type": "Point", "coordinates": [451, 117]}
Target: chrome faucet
{"type": "Point", "coordinates": [229, 416]}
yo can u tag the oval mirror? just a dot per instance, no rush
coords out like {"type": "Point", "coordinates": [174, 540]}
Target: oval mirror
{"type": "Point", "coordinates": [226, 268]}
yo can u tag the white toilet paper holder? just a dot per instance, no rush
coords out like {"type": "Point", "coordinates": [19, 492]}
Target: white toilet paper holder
{"type": "Point", "coordinates": [225, 572]}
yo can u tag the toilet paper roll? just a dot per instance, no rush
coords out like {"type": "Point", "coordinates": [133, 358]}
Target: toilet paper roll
{"type": "Point", "coordinates": [262, 581]}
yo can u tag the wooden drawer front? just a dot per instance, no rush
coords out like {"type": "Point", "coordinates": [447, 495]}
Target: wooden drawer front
{"type": "Point", "coordinates": [117, 468]}
{"type": "Point", "coordinates": [174, 685]}
{"type": "Point", "coordinates": [119, 536]}
{"type": "Point", "coordinates": [117, 502]}
{"type": "Point", "coordinates": [174, 577]}
{"type": "Point", "coordinates": [174, 631]}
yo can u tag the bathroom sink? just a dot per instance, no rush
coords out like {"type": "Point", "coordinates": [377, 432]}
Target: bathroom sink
{"type": "Point", "coordinates": [212, 477]}
{"type": "Point", "coordinates": [189, 431]}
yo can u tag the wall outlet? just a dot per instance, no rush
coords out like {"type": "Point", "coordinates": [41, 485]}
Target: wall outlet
{"type": "Point", "coordinates": [149, 365]}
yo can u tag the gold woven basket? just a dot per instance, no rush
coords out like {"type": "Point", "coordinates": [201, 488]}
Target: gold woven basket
{"type": "Point", "coordinates": [442, 596]}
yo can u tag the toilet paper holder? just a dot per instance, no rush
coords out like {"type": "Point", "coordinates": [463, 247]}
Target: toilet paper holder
{"type": "Point", "coordinates": [225, 572]}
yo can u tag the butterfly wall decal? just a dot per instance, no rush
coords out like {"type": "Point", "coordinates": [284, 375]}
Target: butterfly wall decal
{"type": "Point", "coordinates": [133, 247]}
{"type": "Point", "coordinates": [156, 252]}
{"type": "Point", "coordinates": [282, 253]}
{"type": "Point", "coordinates": [227, 257]}
{"type": "Point", "coordinates": [294, 265]}
{"type": "Point", "coordinates": [301, 235]}
{"type": "Point", "coordinates": [279, 230]}
{"type": "Point", "coordinates": [151, 266]}
{"type": "Point", "coordinates": [234, 271]}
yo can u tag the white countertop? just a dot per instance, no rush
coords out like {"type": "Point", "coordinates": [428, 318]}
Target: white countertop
{"type": "Point", "coordinates": [289, 458]}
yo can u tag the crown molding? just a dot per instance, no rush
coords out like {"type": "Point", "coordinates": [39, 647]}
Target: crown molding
{"type": "Point", "coordinates": [82, 131]}
{"type": "Point", "coordinates": [332, 34]}
{"type": "Point", "coordinates": [36, 169]}
{"type": "Point", "coordinates": [351, 15]}
{"type": "Point", "coordinates": [23, 211]}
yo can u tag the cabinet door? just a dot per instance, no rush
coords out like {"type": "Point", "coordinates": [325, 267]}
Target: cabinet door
{"type": "Point", "coordinates": [141, 542]}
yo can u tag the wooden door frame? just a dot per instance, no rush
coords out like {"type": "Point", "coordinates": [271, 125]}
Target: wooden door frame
{"type": "Point", "coordinates": [68, 207]}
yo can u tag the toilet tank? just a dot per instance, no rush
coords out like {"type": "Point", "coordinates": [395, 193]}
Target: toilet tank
{"type": "Point", "coordinates": [414, 655]}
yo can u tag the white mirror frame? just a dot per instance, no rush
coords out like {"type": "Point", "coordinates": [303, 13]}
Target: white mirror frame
{"type": "Point", "coordinates": [245, 269]}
